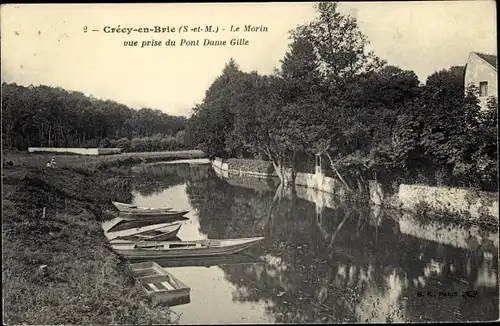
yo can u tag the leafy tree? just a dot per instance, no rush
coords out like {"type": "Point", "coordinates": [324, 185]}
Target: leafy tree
{"type": "Point", "coordinates": [339, 51]}
{"type": "Point", "coordinates": [156, 142]}
{"type": "Point", "coordinates": [48, 116]}
{"type": "Point", "coordinates": [168, 143]}
{"type": "Point", "coordinates": [180, 138]}
{"type": "Point", "coordinates": [146, 144]}
{"type": "Point", "coordinates": [212, 121]}
{"type": "Point", "coordinates": [339, 44]}
{"type": "Point", "coordinates": [124, 144]}
{"type": "Point", "coordinates": [136, 145]}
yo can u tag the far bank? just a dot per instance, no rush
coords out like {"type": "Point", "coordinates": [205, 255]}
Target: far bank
{"type": "Point", "coordinates": [466, 205]}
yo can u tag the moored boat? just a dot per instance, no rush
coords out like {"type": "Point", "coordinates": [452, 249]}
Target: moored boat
{"type": "Point", "coordinates": [130, 216]}
{"type": "Point", "coordinates": [122, 207]}
{"type": "Point", "coordinates": [159, 284]}
{"type": "Point", "coordinates": [196, 248]}
{"type": "Point", "coordinates": [162, 234]}
{"type": "Point", "coordinates": [166, 227]}
{"type": "Point", "coordinates": [144, 221]}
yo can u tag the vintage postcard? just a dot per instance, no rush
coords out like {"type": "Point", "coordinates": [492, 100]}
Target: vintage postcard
{"type": "Point", "coordinates": [245, 163]}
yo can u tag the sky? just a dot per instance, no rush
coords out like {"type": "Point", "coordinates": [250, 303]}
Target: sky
{"type": "Point", "coordinates": [46, 44]}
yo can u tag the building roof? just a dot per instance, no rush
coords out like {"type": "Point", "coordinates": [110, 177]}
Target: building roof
{"type": "Point", "coordinates": [491, 59]}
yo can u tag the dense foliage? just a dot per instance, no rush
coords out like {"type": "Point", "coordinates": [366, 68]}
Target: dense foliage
{"type": "Point", "coordinates": [331, 97]}
{"type": "Point", "coordinates": [53, 117]}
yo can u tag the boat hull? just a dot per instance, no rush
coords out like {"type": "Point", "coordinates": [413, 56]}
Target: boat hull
{"type": "Point", "coordinates": [125, 225]}
{"type": "Point", "coordinates": [163, 234]}
{"type": "Point", "coordinates": [122, 207]}
{"type": "Point", "coordinates": [171, 227]}
{"type": "Point", "coordinates": [129, 216]}
{"type": "Point", "coordinates": [141, 253]}
{"type": "Point", "coordinates": [153, 279]}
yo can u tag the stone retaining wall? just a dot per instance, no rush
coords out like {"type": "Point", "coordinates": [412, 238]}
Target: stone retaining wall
{"type": "Point", "coordinates": [477, 204]}
{"type": "Point", "coordinates": [455, 200]}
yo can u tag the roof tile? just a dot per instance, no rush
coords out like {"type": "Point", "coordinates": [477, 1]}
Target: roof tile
{"type": "Point", "coordinates": [491, 59]}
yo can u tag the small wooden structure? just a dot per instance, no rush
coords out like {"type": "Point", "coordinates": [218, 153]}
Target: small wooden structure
{"type": "Point", "coordinates": [160, 285]}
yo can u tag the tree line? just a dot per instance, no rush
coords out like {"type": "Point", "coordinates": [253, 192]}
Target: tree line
{"type": "Point", "coordinates": [333, 98]}
{"type": "Point", "coordinates": [43, 116]}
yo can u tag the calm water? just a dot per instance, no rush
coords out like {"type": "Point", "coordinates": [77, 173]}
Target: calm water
{"type": "Point", "coordinates": [322, 261]}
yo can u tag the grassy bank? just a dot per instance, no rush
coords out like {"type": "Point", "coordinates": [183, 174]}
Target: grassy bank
{"type": "Point", "coordinates": [59, 268]}
{"type": "Point", "coordinates": [24, 159]}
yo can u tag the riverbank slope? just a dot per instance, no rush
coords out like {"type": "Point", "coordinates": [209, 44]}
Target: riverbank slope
{"type": "Point", "coordinates": [58, 267]}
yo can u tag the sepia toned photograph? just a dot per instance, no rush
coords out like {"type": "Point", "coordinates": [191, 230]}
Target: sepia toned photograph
{"type": "Point", "coordinates": [249, 163]}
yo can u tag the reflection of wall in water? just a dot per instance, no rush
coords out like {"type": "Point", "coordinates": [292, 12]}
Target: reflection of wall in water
{"type": "Point", "coordinates": [394, 267]}
{"type": "Point", "coordinates": [376, 226]}
{"type": "Point", "coordinates": [449, 234]}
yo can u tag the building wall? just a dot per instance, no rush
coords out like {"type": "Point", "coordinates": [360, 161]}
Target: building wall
{"type": "Point", "coordinates": [477, 71]}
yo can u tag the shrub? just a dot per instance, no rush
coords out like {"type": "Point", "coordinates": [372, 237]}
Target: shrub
{"type": "Point", "coordinates": [105, 143]}
{"type": "Point", "coordinates": [123, 143]}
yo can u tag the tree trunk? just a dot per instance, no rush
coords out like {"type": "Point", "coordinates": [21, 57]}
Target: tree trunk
{"type": "Point", "coordinates": [360, 185]}
{"type": "Point", "coordinates": [337, 172]}
{"type": "Point", "coordinates": [339, 227]}
{"type": "Point", "coordinates": [276, 164]}
{"type": "Point", "coordinates": [293, 169]}
{"type": "Point", "coordinates": [275, 206]}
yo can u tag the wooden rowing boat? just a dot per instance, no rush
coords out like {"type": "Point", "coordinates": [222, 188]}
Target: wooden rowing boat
{"type": "Point", "coordinates": [167, 227]}
{"type": "Point", "coordinates": [170, 249]}
{"type": "Point", "coordinates": [122, 207]}
{"type": "Point", "coordinates": [125, 225]}
{"type": "Point", "coordinates": [130, 216]}
{"type": "Point", "coordinates": [159, 284]}
{"type": "Point", "coordinates": [162, 234]}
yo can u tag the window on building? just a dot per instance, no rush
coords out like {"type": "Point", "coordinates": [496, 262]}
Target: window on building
{"type": "Point", "coordinates": [483, 89]}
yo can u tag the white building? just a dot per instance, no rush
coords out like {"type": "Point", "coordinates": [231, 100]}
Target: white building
{"type": "Point", "coordinates": [481, 71]}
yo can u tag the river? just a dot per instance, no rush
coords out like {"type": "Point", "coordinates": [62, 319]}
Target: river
{"type": "Point", "coordinates": [322, 261]}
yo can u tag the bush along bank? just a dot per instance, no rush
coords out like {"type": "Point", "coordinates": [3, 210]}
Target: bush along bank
{"type": "Point", "coordinates": [58, 267]}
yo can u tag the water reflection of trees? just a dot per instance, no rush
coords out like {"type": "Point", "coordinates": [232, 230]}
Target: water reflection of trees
{"type": "Point", "coordinates": [337, 263]}
{"type": "Point", "coordinates": [155, 178]}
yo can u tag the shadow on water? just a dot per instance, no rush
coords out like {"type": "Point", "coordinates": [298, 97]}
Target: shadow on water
{"type": "Point", "coordinates": [235, 259]}
{"type": "Point", "coordinates": [152, 179]}
{"type": "Point", "coordinates": [327, 261]}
